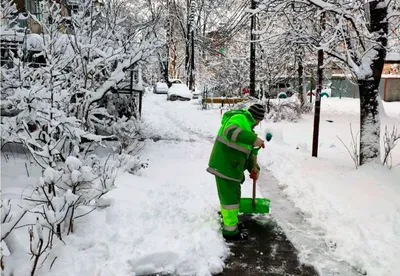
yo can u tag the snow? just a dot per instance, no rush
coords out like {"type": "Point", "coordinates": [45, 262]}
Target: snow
{"type": "Point", "coordinates": [349, 205]}
{"type": "Point", "coordinates": [34, 42]}
{"type": "Point", "coordinates": [359, 210]}
{"type": "Point", "coordinates": [392, 56]}
{"type": "Point", "coordinates": [73, 163]}
{"type": "Point", "coordinates": [161, 86]}
{"type": "Point", "coordinates": [164, 219]}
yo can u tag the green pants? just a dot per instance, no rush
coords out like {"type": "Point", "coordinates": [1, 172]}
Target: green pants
{"type": "Point", "coordinates": [229, 198]}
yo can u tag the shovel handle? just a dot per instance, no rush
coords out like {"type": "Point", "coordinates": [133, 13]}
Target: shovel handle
{"type": "Point", "coordinates": [254, 193]}
{"type": "Point", "coordinates": [254, 182]}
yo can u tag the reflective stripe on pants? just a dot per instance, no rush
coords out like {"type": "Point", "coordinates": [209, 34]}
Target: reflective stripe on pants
{"type": "Point", "coordinates": [230, 206]}
{"type": "Point", "coordinates": [230, 228]}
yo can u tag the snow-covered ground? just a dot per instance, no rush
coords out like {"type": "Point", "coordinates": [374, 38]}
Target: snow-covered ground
{"type": "Point", "coordinates": [164, 218]}
{"type": "Point", "coordinates": [161, 220]}
{"type": "Point", "coordinates": [358, 211]}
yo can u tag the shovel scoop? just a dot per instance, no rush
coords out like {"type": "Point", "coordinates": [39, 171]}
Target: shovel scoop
{"type": "Point", "coordinates": [254, 205]}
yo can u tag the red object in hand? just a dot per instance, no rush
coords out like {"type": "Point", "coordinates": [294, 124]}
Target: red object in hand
{"type": "Point", "coordinates": [253, 174]}
{"type": "Point", "coordinates": [263, 146]}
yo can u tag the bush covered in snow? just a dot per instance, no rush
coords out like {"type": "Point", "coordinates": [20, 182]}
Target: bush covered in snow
{"type": "Point", "coordinates": [60, 197]}
{"type": "Point", "coordinates": [288, 109]}
{"type": "Point", "coordinates": [52, 107]}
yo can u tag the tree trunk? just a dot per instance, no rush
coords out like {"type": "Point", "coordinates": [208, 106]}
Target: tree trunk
{"type": "Point", "coordinates": [369, 122]}
{"type": "Point", "coordinates": [173, 60]}
{"type": "Point", "coordinates": [187, 43]}
{"type": "Point", "coordinates": [369, 88]}
{"type": "Point", "coordinates": [300, 75]}
{"type": "Point", "coordinates": [172, 52]}
{"type": "Point", "coordinates": [191, 76]}
{"type": "Point", "coordinates": [252, 52]}
{"type": "Point", "coordinates": [165, 62]}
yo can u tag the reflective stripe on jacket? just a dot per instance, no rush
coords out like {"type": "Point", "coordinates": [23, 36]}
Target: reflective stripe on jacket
{"type": "Point", "coordinates": [232, 151]}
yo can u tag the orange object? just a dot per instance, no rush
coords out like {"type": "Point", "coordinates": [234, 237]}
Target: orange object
{"type": "Point", "coordinates": [384, 89]}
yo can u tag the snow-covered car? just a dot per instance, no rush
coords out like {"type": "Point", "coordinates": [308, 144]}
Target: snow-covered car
{"type": "Point", "coordinates": [173, 81]}
{"type": "Point", "coordinates": [160, 88]}
{"type": "Point", "coordinates": [179, 91]}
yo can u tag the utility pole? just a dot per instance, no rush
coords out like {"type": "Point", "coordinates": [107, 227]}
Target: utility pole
{"type": "Point", "coordinates": [253, 51]}
{"type": "Point", "coordinates": [317, 112]}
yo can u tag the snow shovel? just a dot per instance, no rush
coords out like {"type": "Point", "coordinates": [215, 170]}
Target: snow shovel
{"type": "Point", "coordinates": [254, 205]}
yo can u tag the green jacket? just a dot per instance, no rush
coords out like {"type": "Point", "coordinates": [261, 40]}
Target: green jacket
{"type": "Point", "coordinates": [233, 150]}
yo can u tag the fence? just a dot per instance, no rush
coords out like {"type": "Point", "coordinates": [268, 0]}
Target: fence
{"type": "Point", "coordinates": [389, 88]}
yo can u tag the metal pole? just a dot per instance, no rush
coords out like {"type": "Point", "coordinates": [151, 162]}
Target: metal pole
{"type": "Point", "coordinates": [317, 111]}
{"type": "Point", "coordinates": [140, 103]}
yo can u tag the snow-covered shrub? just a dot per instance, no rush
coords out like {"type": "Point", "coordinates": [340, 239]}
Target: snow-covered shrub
{"type": "Point", "coordinates": [129, 163]}
{"type": "Point", "coordinates": [390, 140]}
{"type": "Point", "coordinates": [10, 244]}
{"type": "Point", "coordinates": [128, 131]}
{"type": "Point", "coordinates": [288, 109]}
{"type": "Point", "coordinates": [82, 65]}
{"type": "Point", "coordinates": [354, 150]}
{"type": "Point", "coordinates": [60, 197]}
{"type": "Point", "coordinates": [63, 195]}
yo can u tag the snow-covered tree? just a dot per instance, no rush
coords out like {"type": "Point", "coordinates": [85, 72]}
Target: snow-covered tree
{"type": "Point", "coordinates": [355, 34]}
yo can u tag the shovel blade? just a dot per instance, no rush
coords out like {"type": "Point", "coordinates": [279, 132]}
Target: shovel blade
{"type": "Point", "coordinates": [261, 207]}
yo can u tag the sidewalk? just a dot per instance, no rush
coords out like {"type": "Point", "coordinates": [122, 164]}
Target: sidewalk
{"type": "Point", "coordinates": [267, 252]}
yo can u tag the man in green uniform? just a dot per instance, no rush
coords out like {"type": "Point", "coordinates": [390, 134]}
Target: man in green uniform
{"type": "Point", "coordinates": [231, 155]}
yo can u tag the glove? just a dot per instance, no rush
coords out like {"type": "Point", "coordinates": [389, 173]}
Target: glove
{"type": "Point", "coordinates": [258, 143]}
{"type": "Point", "coordinates": [254, 174]}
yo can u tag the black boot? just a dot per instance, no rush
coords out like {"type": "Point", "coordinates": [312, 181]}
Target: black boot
{"type": "Point", "coordinates": [241, 236]}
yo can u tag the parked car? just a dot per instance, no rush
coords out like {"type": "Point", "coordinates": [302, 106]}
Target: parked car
{"type": "Point", "coordinates": [175, 81]}
{"type": "Point", "coordinates": [160, 88]}
{"type": "Point", "coordinates": [281, 87]}
{"type": "Point", "coordinates": [179, 91]}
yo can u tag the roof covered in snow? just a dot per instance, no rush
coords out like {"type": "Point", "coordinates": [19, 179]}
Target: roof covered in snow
{"type": "Point", "coordinates": [392, 56]}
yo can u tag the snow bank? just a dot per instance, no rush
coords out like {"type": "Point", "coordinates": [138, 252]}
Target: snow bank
{"type": "Point", "coordinates": [359, 210]}
{"type": "Point", "coordinates": [164, 220]}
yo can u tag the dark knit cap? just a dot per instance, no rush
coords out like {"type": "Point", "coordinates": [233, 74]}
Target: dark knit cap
{"type": "Point", "coordinates": [257, 111]}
